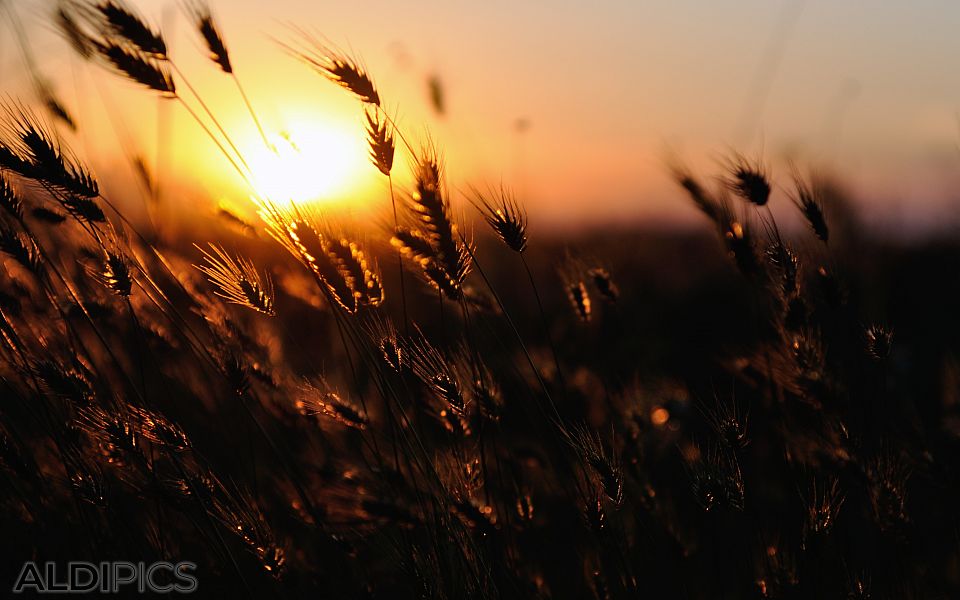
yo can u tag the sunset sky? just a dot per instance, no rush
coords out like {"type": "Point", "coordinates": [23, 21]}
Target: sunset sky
{"type": "Point", "coordinates": [573, 104]}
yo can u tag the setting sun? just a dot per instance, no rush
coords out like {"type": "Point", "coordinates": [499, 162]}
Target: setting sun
{"type": "Point", "coordinates": [309, 161]}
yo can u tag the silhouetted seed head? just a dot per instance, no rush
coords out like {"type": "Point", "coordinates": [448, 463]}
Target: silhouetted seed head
{"type": "Point", "coordinates": [808, 358]}
{"type": "Point", "coordinates": [237, 280]}
{"type": "Point", "coordinates": [437, 276]}
{"type": "Point", "coordinates": [352, 263]}
{"type": "Point", "coordinates": [605, 465]}
{"type": "Point", "coordinates": [888, 476]}
{"type": "Point", "coordinates": [36, 154]}
{"type": "Point", "coordinates": [314, 401]}
{"type": "Point", "coordinates": [337, 67]}
{"type": "Point", "coordinates": [716, 481]}
{"type": "Point", "coordinates": [596, 515]}
{"type": "Point", "coordinates": [63, 382]}
{"type": "Point", "coordinates": [747, 180]}
{"type": "Point", "coordinates": [81, 42]}
{"type": "Point", "coordinates": [447, 390]}
{"type": "Point", "coordinates": [114, 273]}
{"type": "Point", "coordinates": [138, 67]}
{"type": "Point", "coordinates": [243, 518]}
{"type": "Point", "coordinates": [80, 182]}
{"type": "Point", "coordinates": [350, 75]}
{"type": "Point", "coordinates": [299, 235]}
{"type": "Point", "coordinates": [728, 423]}
{"type": "Point", "coordinates": [198, 486]}
{"type": "Point", "coordinates": [450, 258]}
{"type": "Point", "coordinates": [312, 248]}
{"type": "Point", "coordinates": [823, 502]}
{"type": "Point", "coordinates": [525, 507]}
{"type": "Point", "coordinates": [159, 430]}
{"type": "Point", "coordinates": [438, 374]}
{"type": "Point", "coordinates": [807, 198]}
{"type": "Point", "coordinates": [123, 22]}
{"type": "Point", "coordinates": [203, 20]}
{"type": "Point", "coordinates": [391, 346]}
{"type": "Point", "coordinates": [44, 151]}
{"type": "Point", "coordinates": [392, 353]}
{"type": "Point", "coordinates": [603, 283]}
{"type": "Point", "coordinates": [117, 434]}
{"type": "Point", "coordinates": [10, 159]}
{"type": "Point", "coordinates": [506, 217]}
{"type": "Point", "coordinates": [437, 96]}
{"type": "Point", "coordinates": [56, 108]}
{"type": "Point", "coordinates": [235, 221]}
{"type": "Point", "coordinates": [46, 215]}
{"type": "Point", "coordinates": [143, 172]}
{"type": "Point", "coordinates": [788, 265]}
{"type": "Point", "coordinates": [83, 209]}
{"type": "Point", "coordinates": [413, 244]}
{"type": "Point", "coordinates": [580, 299]}
{"type": "Point", "coordinates": [10, 201]}
{"type": "Point", "coordinates": [477, 517]}
{"type": "Point", "coordinates": [806, 352]}
{"type": "Point", "coordinates": [272, 559]}
{"type": "Point", "coordinates": [486, 394]}
{"type": "Point", "coordinates": [879, 342]}
{"type": "Point", "coordinates": [21, 248]}
{"type": "Point", "coordinates": [455, 422]}
{"type": "Point", "coordinates": [89, 485]}
{"type": "Point", "coordinates": [703, 200]}
{"type": "Point", "coordinates": [380, 138]}
{"type": "Point", "coordinates": [732, 433]}
{"type": "Point", "coordinates": [708, 487]}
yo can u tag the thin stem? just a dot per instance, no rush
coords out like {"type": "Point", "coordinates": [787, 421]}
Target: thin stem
{"type": "Point", "coordinates": [393, 124]}
{"type": "Point", "coordinates": [543, 320]}
{"type": "Point", "coordinates": [209, 133]}
{"type": "Point", "coordinates": [513, 327]}
{"type": "Point", "coordinates": [139, 347]}
{"type": "Point", "coordinates": [213, 527]}
{"type": "Point", "coordinates": [210, 114]}
{"type": "Point", "coordinates": [443, 325]}
{"type": "Point", "coordinates": [253, 114]}
{"type": "Point", "coordinates": [403, 287]}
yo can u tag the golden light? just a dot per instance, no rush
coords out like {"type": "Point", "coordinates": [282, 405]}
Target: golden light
{"type": "Point", "coordinates": [310, 161]}
{"type": "Point", "coordinates": [659, 416]}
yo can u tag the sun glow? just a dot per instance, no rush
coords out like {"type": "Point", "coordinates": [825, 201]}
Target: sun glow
{"type": "Point", "coordinates": [308, 162]}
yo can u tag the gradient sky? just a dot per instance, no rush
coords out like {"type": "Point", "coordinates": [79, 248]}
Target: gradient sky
{"type": "Point", "coordinates": [608, 88]}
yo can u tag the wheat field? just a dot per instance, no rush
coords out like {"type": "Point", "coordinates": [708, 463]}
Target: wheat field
{"type": "Point", "coordinates": [452, 402]}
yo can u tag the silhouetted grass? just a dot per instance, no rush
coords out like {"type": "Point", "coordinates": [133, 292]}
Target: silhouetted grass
{"type": "Point", "coordinates": [745, 413]}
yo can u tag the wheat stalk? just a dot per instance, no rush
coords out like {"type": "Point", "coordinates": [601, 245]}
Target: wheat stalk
{"type": "Point", "coordinates": [237, 280]}
{"type": "Point", "coordinates": [336, 66]}
{"type": "Point", "coordinates": [505, 216]}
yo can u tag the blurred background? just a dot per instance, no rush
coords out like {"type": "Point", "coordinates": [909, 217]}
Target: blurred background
{"type": "Point", "coordinates": [576, 105]}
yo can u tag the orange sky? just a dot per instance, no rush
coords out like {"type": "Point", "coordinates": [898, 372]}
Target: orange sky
{"type": "Point", "coordinates": [606, 88]}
